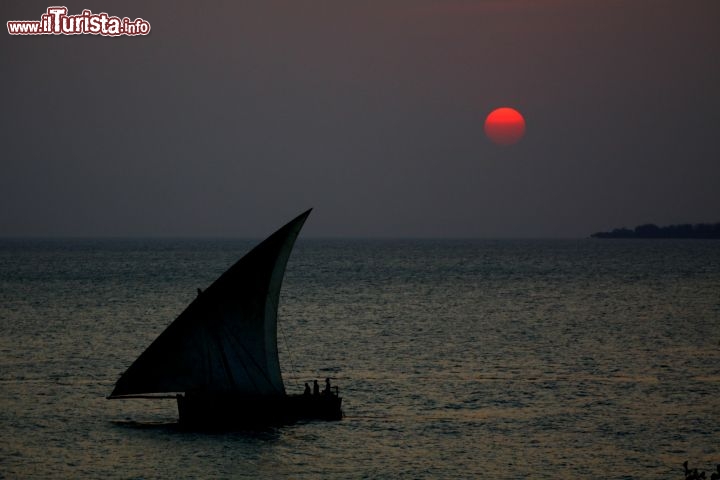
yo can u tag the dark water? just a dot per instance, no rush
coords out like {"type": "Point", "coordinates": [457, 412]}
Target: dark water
{"type": "Point", "coordinates": [497, 359]}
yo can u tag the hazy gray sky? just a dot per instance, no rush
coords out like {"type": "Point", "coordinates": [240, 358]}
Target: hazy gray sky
{"type": "Point", "coordinates": [232, 117]}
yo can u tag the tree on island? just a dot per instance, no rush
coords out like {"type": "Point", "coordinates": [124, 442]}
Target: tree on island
{"type": "Point", "coordinates": [650, 230]}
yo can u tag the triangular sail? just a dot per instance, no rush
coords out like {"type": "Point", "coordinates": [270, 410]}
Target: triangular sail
{"type": "Point", "coordinates": [226, 339]}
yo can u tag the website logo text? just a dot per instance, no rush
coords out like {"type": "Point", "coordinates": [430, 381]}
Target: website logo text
{"type": "Point", "coordinates": [56, 21]}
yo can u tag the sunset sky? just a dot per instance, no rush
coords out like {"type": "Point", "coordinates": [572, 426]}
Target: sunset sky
{"type": "Point", "coordinates": [230, 118]}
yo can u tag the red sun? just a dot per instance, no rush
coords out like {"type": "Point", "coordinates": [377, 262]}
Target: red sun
{"type": "Point", "coordinates": [505, 126]}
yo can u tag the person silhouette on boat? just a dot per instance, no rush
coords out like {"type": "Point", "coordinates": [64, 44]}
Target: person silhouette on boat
{"type": "Point", "coordinates": [327, 392]}
{"type": "Point", "coordinates": [307, 389]}
{"type": "Point", "coordinates": [316, 388]}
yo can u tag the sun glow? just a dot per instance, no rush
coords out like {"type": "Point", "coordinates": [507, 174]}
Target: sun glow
{"type": "Point", "coordinates": [505, 126]}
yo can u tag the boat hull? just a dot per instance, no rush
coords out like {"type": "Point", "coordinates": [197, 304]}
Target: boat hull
{"type": "Point", "coordinates": [228, 410]}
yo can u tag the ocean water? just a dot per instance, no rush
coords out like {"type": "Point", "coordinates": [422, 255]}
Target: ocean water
{"type": "Point", "coordinates": [455, 359]}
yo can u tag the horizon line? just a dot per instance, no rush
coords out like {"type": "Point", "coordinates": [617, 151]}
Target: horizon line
{"type": "Point", "coordinates": [251, 237]}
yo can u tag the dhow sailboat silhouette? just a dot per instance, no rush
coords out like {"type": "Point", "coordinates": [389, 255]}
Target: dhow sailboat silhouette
{"type": "Point", "coordinates": [219, 358]}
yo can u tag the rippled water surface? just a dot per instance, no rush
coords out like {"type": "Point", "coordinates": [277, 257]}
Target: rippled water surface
{"type": "Point", "coordinates": [497, 359]}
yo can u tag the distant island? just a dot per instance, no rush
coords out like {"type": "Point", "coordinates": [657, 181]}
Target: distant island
{"type": "Point", "coordinates": [649, 230]}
